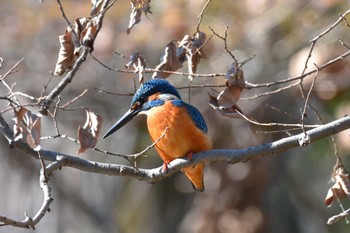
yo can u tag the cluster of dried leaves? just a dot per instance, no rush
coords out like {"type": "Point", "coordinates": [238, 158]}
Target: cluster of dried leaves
{"type": "Point", "coordinates": [137, 7]}
{"type": "Point", "coordinates": [28, 126]}
{"type": "Point", "coordinates": [84, 30]}
{"type": "Point", "coordinates": [81, 33]}
{"type": "Point", "coordinates": [189, 49]}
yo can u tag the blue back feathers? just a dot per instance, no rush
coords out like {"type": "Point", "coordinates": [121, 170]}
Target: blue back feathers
{"type": "Point", "coordinates": [194, 113]}
{"type": "Point", "coordinates": [162, 86]}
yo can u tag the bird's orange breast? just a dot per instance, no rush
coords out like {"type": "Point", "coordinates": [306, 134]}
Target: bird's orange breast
{"type": "Point", "coordinates": [181, 135]}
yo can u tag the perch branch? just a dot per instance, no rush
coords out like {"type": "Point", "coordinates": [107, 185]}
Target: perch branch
{"type": "Point", "coordinates": [156, 174]}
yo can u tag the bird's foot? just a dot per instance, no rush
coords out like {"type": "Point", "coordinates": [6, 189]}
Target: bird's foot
{"type": "Point", "coordinates": [165, 166]}
{"type": "Point", "coordinates": [189, 156]}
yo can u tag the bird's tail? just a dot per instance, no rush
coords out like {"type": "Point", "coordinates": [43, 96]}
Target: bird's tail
{"type": "Point", "coordinates": [195, 175]}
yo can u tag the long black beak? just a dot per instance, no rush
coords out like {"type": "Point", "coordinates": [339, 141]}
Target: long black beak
{"type": "Point", "coordinates": [128, 116]}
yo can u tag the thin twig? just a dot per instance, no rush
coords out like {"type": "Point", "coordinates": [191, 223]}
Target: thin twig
{"type": "Point", "coordinates": [10, 71]}
{"type": "Point", "coordinates": [74, 99]}
{"type": "Point", "coordinates": [291, 79]}
{"type": "Point", "coordinates": [115, 154]}
{"type": "Point", "coordinates": [200, 16]}
{"type": "Point", "coordinates": [62, 12]}
{"type": "Point", "coordinates": [151, 70]}
{"type": "Point", "coordinates": [224, 38]}
{"type": "Point", "coordinates": [341, 17]}
{"type": "Point", "coordinates": [113, 93]}
{"type": "Point", "coordinates": [135, 156]}
{"type": "Point", "coordinates": [274, 123]}
{"type": "Point", "coordinates": [306, 103]}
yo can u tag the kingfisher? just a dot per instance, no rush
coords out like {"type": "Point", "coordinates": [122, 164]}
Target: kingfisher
{"type": "Point", "coordinates": [177, 127]}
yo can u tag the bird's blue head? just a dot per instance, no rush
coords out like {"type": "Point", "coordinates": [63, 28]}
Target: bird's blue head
{"type": "Point", "coordinates": [152, 87]}
{"type": "Point", "coordinates": [145, 98]}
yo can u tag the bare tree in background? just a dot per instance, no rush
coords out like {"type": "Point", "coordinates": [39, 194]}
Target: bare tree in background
{"type": "Point", "coordinates": [21, 121]}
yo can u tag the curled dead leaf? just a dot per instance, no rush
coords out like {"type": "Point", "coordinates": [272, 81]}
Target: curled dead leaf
{"type": "Point", "coordinates": [67, 54]}
{"type": "Point", "coordinates": [169, 62]}
{"type": "Point", "coordinates": [228, 112]}
{"type": "Point", "coordinates": [34, 129]}
{"type": "Point", "coordinates": [137, 7]}
{"type": "Point", "coordinates": [235, 77]}
{"type": "Point", "coordinates": [88, 33]}
{"type": "Point", "coordinates": [139, 64]}
{"type": "Point", "coordinates": [196, 53]}
{"type": "Point", "coordinates": [184, 45]}
{"type": "Point", "coordinates": [89, 133]}
{"type": "Point", "coordinates": [17, 128]}
{"type": "Point", "coordinates": [340, 189]}
{"type": "Point", "coordinates": [82, 33]}
{"type": "Point", "coordinates": [190, 50]}
{"type": "Point", "coordinates": [226, 101]}
{"type": "Point", "coordinates": [30, 124]}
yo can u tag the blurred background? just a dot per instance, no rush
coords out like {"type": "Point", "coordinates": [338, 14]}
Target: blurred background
{"type": "Point", "coordinates": [281, 193]}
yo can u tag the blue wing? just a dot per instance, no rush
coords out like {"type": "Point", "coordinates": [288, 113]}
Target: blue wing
{"type": "Point", "coordinates": [194, 113]}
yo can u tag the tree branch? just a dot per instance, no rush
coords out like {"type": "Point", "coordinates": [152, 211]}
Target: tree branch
{"type": "Point", "coordinates": [30, 222]}
{"type": "Point", "coordinates": [156, 174]}
{"type": "Point", "coordinates": [46, 103]}
{"type": "Point", "coordinates": [338, 217]}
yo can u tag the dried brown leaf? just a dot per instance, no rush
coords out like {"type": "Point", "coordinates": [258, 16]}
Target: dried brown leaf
{"type": "Point", "coordinates": [29, 123]}
{"type": "Point", "coordinates": [20, 115]}
{"type": "Point", "coordinates": [89, 133]}
{"type": "Point", "coordinates": [17, 129]}
{"type": "Point", "coordinates": [228, 97]}
{"type": "Point", "coordinates": [34, 130]}
{"type": "Point", "coordinates": [169, 62]}
{"type": "Point", "coordinates": [340, 189]}
{"type": "Point", "coordinates": [344, 182]}
{"type": "Point", "coordinates": [17, 132]}
{"type": "Point", "coordinates": [82, 33]}
{"type": "Point", "coordinates": [142, 5]}
{"type": "Point", "coordinates": [229, 112]}
{"type": "Point", "coordinates": [184, 45]}
{"type": "Point", "coordinates": [226, 101]}
{"type": "Point", "coordinates": [137, 7]}
{"type": "Point", "coordinates": [66, 55]}
{"type": "Point", "coordinates": [334, 193]}
{"type": "Point", "coordinates": [139, 64]}
{"type": "Point", "coordinates": [196, 52]}
{"type": "Point", "coordinates": [88, 33]}
{"type": "Point", "coordinates": [235, 77]}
